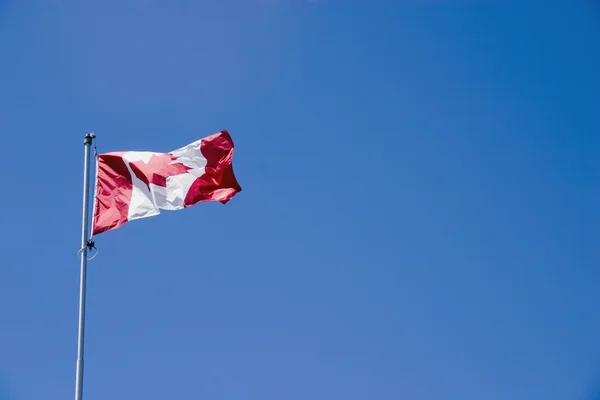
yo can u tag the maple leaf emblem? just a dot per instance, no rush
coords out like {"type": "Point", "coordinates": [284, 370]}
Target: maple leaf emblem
{"type": "Point", "coordinates": [158, 168]}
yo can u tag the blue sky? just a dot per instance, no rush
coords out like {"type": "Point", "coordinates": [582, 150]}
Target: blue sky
{"type": "Point", "coordinates": [419, 217]}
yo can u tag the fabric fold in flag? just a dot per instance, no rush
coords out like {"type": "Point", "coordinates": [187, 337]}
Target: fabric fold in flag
{"type": "Point", "coordinates": [138, 184]}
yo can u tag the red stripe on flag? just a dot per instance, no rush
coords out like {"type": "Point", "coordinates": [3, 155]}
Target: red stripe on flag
{"type": "Point", "coordinates": [218, 183]}
{"type": "Point", "coordinates": [114, 191]}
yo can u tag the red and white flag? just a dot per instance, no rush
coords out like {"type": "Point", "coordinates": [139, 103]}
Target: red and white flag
{"type": "Point", "coordinates": [138, 184]}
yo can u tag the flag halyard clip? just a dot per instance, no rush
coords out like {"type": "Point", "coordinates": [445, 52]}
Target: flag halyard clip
{"type": "Point", "coordinates": [89, 245]}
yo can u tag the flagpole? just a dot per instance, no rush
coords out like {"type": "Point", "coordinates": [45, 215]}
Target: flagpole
{"type": "Point", "coordinates": [87, 143]}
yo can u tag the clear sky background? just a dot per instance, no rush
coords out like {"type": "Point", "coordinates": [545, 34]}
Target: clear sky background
{"type": "Point", "coordinates": [419, 220]}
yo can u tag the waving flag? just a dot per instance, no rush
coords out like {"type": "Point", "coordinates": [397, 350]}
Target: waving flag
{"type": "Point", "coordinates": [138, 184]}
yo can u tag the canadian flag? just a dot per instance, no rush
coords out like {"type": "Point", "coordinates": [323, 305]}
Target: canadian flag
{"type": "Point", "coordinates": [138, 184]}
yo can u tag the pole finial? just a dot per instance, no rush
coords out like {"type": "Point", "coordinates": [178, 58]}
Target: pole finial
{"type": "Point", "coordinates": [88, 138]}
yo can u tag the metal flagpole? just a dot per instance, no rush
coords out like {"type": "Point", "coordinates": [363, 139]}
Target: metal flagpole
{"type": "Point", "coordinates": [87, 143]}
